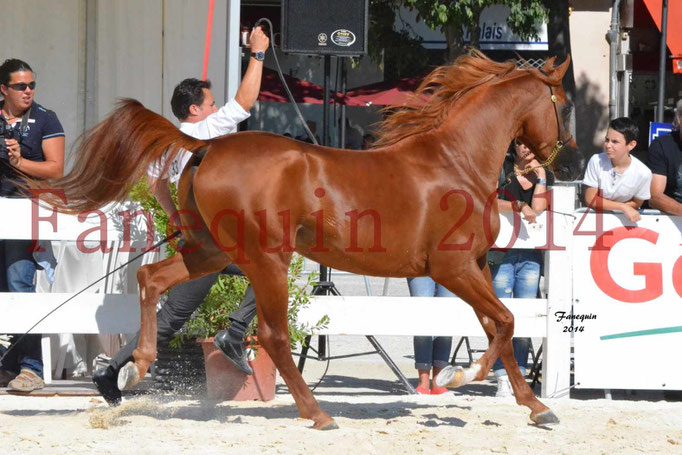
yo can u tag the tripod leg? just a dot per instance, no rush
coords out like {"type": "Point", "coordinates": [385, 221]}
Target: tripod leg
{"type": "Point", "coordinates": [391, 364]}
{"type": "Point", "coordinates": [305, 346]}
{"type": "Point", "coordinates": [322, 347]}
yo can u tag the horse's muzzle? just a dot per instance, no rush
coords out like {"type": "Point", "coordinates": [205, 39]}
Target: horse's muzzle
{"type": "Point", "coordinates": [570, 163]}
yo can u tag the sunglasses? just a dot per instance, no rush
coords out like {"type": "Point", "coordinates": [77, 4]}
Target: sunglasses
{"type": "Point", "coordinates": [21, 86]}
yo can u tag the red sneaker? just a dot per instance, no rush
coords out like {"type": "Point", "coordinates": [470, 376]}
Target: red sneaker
{"type": "Point", "coordinates": [423, 390]}
{"type": "Point", "coordinates": [439, 390]}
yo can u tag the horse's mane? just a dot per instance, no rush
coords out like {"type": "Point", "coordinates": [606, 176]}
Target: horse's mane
{"type": "Point", "coordinates": [444, 87]}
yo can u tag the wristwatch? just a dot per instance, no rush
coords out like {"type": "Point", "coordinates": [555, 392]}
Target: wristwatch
{"type": "Point", "coordinates": [542, 181]}
{"type": "Point", "coordinates": [260, 56]}
{"type": "Point", "coordinates": [517, 206]}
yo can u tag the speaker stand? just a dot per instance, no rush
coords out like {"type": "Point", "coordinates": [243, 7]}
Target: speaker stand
{"type": "Point", "coordinates": [325, 287]}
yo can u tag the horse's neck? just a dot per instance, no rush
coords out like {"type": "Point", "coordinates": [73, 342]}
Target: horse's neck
{"type": "Point", "coordinates": [482, 126]}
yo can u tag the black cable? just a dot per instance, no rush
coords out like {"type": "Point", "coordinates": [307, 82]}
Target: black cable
{"type": "Point", "coordinates": [336, 115]}
{"type": "Point", "coordinates": [284, 83]}
{"type": "Point", "coordinates": [326, 369]}
{"type": "Point", "coordinates": [153, 247]}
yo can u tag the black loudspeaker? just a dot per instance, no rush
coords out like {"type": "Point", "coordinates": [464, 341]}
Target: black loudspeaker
{"type": "Point", "coordinates": [325, 27]}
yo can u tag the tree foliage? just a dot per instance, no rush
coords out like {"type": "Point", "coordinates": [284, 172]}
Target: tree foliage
{"type": "Point", "coordinates": [400, 51]}
{"type": "Point", "coordinates": [451, 15]}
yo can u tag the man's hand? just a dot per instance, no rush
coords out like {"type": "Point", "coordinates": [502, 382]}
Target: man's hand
{"type": "Point", "coordinates": [528, 214]}
{"type": "Point", "coordinates": [632, 213]}
{"type": "Point", "coordinates": [537, 168]}
{"type": "Point", "coordinates": [259, 40]}
{"type": "Point", "coordinates": [14, 152]}
{"type": "Point", "coordinates": [247, 94]}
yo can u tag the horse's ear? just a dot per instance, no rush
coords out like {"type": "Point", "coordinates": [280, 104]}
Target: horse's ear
{"type": "Point", "coordinates": [548, 67]}
{"type": "Point", "coordinates": [560, 70]}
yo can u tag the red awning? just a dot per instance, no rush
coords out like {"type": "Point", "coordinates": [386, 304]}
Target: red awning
{"type": "Point", "coordinates": [674, 37]}
{"type": "Point", "coordinates": [303, 91]}
{"type": "Point", "coordinates": [383, 93]}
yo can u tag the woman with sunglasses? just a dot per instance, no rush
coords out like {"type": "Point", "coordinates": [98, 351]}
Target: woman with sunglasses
{"type": "Point", "coordinates": [32, 143]}
{"type": "Point", "coordinates": [517, 274]}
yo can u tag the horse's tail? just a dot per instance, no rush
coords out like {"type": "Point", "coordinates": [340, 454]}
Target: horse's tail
{"type": "Point", "coordinates": [113, 156]}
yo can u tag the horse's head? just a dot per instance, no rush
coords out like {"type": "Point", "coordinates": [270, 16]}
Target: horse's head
{"type": "Point", "coordinates": [545, 127]}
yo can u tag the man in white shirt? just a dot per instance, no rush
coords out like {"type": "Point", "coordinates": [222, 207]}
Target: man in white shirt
{"type": "Point", "coordinates": [193, 104]}
{"type": "Point", "coordinates": [616, 180]}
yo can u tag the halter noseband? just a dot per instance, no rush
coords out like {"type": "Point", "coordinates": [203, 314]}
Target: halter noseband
{"type": "Point", "coordinates": [559, 145]}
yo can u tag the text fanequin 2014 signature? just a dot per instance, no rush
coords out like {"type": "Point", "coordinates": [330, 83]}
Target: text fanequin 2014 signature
{"type": "Point", "coordinates": [569, 320]}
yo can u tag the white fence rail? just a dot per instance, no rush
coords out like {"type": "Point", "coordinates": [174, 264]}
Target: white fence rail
{"type": "Point", "coordinates": [86, 250]}
{"type": "Point", "coordinates": [647, 257]}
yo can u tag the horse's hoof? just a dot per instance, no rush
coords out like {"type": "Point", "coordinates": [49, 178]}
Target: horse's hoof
{"type": "Point", "coordinates": [450, 376]}
{"type": "Point", "coordinates": [128, 377]}
{"type": "Point", "coordinates": [330, 426]}
{"type": "Point", "coordinates": [545, 418]}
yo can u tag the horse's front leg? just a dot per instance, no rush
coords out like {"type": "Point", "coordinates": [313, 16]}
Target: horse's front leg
{"type": "Point", "coordinates": [475, 287]}
{"type": "Point", "coordinates": [154, 280]}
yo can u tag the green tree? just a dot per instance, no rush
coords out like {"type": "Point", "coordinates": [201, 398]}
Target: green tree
{"type": "Point", "coordinates": [452, 15]}
{"type": "Point", "coordinates": [401, 51]}
{"type": "Point", "coordinates": [559, 38]}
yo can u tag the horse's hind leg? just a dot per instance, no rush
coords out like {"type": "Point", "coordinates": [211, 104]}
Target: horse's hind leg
{"type": "Point", "coordinates": [475, 288]}
{"type": "Point", "coordinates": [269, 281]}
{"type": "Point", "coordinates": [154, 280]}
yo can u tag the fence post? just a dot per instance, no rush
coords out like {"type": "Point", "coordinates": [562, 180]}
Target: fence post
{"type": "Point", "coordinates": [556, 363]}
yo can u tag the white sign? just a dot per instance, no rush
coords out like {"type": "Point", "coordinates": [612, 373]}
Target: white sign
{"type": "Point", "coordinates": [627, 311]}
{"type": "Point", "coordinates": [495, 33]}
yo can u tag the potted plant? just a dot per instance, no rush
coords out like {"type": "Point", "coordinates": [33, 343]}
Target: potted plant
{"type": "Point", "coordinates": [223, 380]}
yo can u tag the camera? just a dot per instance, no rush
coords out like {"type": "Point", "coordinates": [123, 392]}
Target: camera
{"type": "Point", "coordinates": [7, 132]}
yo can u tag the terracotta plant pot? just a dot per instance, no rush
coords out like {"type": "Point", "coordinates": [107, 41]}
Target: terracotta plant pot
{"type": "Point", "coordinates": [225, 382]}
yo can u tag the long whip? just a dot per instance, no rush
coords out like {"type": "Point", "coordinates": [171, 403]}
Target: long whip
{"type": "Point", "coordinates": [153, 247]}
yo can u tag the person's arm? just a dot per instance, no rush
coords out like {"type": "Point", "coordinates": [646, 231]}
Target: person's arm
{"type": "Point", "coordinates": [595, 200]}
{"type": "Point", "coordinates": [51, 168]}
{"type": "Point", "coordinates": [539, 204]}
{"type": "Point", "coordinates": [658, 198]}
{"type": "Point", "coordinates": [526, 211]}
{"type": "Point", "coordinates": [250, 86]}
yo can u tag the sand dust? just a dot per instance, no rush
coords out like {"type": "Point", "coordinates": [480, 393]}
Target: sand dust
{"type": "Point", "coordinates": [370, 424]}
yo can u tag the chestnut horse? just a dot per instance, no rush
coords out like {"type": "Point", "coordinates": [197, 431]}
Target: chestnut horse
{"type": "Point", "coordinates": [414, 205]}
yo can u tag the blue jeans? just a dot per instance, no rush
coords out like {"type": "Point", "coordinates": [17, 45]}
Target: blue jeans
{"type": "Point", "coordinates": [518, 276]}
{"type": "Point", "coordinates": [429, 351]}
{"type": "Point", "coordinates": [20, 267]}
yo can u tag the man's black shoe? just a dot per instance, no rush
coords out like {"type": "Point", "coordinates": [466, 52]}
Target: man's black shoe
{"type": "Point", "coordinates": [234, 351]}
{"type": "Point", "coordinates": [105, 381]}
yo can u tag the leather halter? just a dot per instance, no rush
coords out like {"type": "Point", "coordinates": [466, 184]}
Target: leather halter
{"type": "Point", "coordinates": [559, 145]}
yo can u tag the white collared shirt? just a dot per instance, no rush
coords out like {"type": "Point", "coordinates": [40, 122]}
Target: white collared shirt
{"type": "Point", "coordinates": [220, 123]}
{"type": "Point", "coordinates": [635, 181]}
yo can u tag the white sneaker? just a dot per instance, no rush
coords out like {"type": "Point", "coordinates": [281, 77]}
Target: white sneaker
{"type": "Point", "coordinates": [504, 389]}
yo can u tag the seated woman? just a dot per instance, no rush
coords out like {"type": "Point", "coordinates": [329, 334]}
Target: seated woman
{"type": "Point", "coordinates": [518, 274]}
{"type": "Point", "coordinates": [616, 180]}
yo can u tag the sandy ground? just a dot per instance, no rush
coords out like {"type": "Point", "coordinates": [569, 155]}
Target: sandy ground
{"type": "Point", "coordinates": [369, 425]}
{"type": "Point", "coordinates": [374, 414]}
